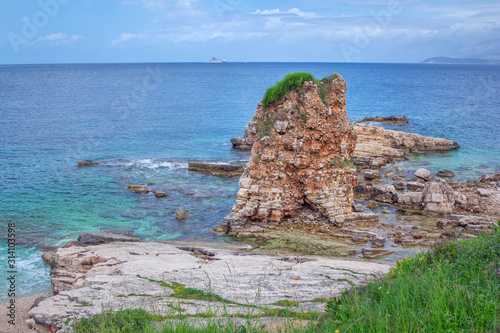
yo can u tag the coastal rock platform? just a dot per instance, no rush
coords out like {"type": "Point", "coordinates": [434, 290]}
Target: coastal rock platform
{"type": "Point", "coordinates": [169, 280]}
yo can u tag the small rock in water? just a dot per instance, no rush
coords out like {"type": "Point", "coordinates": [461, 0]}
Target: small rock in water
{"type": "Point", "coordinates": [378, 242]}
{"type": "Point", "coordinates": [181, 214]}
{"type": "Point", "coordinates": [86, 163]}
{"type": "Point", "coordinates": [138, 189]}
{"type": "Point", "coordinates": [372, 174]}
{"type": "Point", "coordinates": [375, 253]}
{"type": "Point", "coordinates": [445, 173]}
{"type": "Point", "coordinates": [423, 174]}
{"type": "Point", "coordinates": [160, 194]}
{"type": "Point", "coordinates": [386, 211]}
{"type": "Point", "coordinates": [372, 205]}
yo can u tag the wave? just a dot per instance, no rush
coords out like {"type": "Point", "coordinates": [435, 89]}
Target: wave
{"type": "Point", "coordinates": [147, 163]}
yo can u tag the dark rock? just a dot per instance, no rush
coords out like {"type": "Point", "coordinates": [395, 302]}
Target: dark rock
{"type": "Point", "coordinates": [418, 236]}
{"type": "Point", "coordinates": [358, 208]}
{"type": "Point", "coordinates": [372, 205]}
{"type": "Point", "coordinates": [95, 238]}
{"type": "Point", "coordinates": [86, 163]}
{"type": "Point", "coordinates": [400, 186]}
{"type": "Point", "coordinates": [445, 173]}
{"type": "Point", "coordinates": [387, 120]}
{"type": "Point", "coordinates": [228, 170]}
{"type": "Point", "coordinates": [414, 186]}
{"type": "Point", "coordinates": [160, 194]}
{"type": "Point", "coordinates": [378, 242]}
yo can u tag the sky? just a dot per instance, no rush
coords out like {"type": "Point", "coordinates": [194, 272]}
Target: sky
{"type": "Point", "coordinates": [117, 31]}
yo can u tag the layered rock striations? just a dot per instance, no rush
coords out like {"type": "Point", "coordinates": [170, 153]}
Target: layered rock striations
{"type": "Point", "coordinates": [375, 146]}
{"type": "Point", "coordinates": [300, 165]}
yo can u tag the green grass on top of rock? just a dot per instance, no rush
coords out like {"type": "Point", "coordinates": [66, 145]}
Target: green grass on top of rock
{"type": "Point", "coordinates": [290, 82]}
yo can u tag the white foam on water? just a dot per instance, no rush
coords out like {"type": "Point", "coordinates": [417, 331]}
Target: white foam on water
{"type": "Point", "coordinates": [147, 163]}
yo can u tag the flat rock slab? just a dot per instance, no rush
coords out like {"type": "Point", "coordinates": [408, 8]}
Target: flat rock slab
{"type": "Point", "coordinates": [144, 275]}
{"type": "Point", "coordinates": [229, 170]}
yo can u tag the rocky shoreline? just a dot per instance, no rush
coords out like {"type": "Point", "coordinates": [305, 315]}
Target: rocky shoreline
{"type": "Point", "coordinates": [106, 271]}
{"type": "Point", "coordinates": [316, 187]}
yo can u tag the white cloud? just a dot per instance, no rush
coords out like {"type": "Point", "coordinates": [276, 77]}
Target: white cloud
{"type": "Point", "coordinates": [294, 11]}
{"type": "Point", "coordinates": [126, 36]}
{"type": "Point", "coordinates": [60, 39]}
{"type": "Point", "coordinates": [162, 4]}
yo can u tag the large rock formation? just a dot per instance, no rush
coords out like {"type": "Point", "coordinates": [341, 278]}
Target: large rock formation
{"type": "Point", "coordinates": [156, 276]}
{"type": "Point", "coordinates": [300, 166]}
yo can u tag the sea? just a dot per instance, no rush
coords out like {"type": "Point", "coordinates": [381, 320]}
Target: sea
{"type": "Point", "coordinates": [145, 122]}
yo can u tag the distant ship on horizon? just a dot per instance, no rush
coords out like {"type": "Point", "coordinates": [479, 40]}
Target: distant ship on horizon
{"type": "Point", "coordinates": [216, 61]}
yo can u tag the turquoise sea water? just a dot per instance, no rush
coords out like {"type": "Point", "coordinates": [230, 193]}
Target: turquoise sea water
{"type": "Point", "coordinates": [146, 121]}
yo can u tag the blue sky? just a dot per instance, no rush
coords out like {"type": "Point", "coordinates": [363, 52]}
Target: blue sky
{"type": "Point", "coordinates": [89, 31]}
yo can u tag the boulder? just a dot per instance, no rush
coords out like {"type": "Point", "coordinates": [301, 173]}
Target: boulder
{"type": "Point", "coordinates": [423, 174]}
{"type": "Point", "coordinates": [485, 192]}
{"type": "Point", "coordinates": [386, 194]}
{"type": "Point", "coordinates": [372, 205]}
{"type": "Point", "coordinates": [438, 198]}
{"type": "Point", "coordinates": [358, 208]}
{"type": "Point", "coordinates": [372, 174]}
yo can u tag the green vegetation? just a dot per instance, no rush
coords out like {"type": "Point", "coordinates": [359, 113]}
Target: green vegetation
{"type": "Point", "coordinates": [264, 127]}
{"type": "Point", "coordinates": [180, 291]}
{"type": "Point", "coordinates": [290, 82]}
{"type": "Point", "coordinates": [126, 321]}
{"type": "Point", "coordinates": [455, 288]}
{"type": "Point", "coordinates": [295, 81]}
{"type": "Point", "coordinates": [342, 163]}
{"type": "Point", "coordinates": [286, 303]}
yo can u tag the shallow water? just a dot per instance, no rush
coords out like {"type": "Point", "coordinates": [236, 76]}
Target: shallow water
{"type": "Point", "coordinates": [146, 121]}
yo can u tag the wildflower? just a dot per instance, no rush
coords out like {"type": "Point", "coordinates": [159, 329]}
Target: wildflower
{"type": "Point", "coordinates": [459, 246]}
{"type": "Point", "coordinates": [336, 331]}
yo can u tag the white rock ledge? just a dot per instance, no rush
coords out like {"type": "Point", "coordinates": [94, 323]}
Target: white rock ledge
{"type": "Point", "coordinates": [95, 278]}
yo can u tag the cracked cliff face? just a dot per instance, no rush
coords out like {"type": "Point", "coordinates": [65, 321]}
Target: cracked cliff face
{"type": "Point", "coordinates": [300, 166]}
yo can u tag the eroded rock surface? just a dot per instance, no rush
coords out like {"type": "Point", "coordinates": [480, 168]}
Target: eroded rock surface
{"type": "Point", "coordinates": [143, 275]}
{"type": "Point", "coordinates": [300, 162]}
{"type": "Point", "coordinates": [387, 120]}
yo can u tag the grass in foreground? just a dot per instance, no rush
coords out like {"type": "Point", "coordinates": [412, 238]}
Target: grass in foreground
{"type": "Point", "coordinates": [455, 288]}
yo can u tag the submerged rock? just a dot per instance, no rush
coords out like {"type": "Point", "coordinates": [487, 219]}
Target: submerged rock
{"type": "Point", "coordinates": [181, 214]}
{"type": "Point", "coordinates": [160, 194]}
{"type": "Point", "coordinates": [86, 163]}
{"type": "Point", "coordinates": [387, 120]}
{"type": "Point", "coordinates": [138, 189]}
{"type": "Point", "coordinates": [300, 163]}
